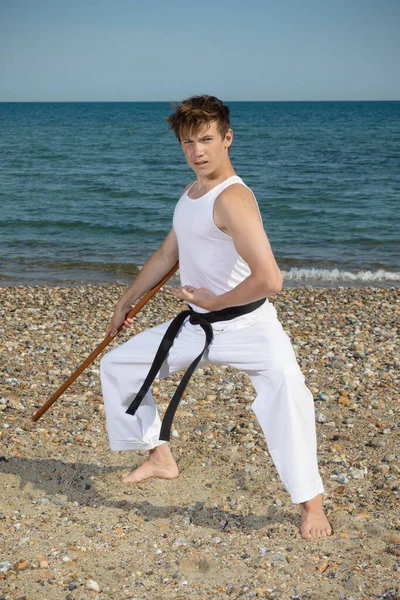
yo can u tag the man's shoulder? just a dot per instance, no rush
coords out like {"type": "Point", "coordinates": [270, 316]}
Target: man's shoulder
{"type": "Point", "coordinates": [236, 203]}
{"type": "Point", "coordinates": [236, 192]}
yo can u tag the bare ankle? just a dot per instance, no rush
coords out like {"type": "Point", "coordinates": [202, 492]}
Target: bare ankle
{"type": "Point", "coordinates": [161, 454]}
{"type": "Point", "coordinates": [161, 450]}
{"type": "Point", "coordinates": [312, 503]}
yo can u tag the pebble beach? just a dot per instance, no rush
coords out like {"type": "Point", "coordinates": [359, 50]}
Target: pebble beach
{"type": "Point", "coordinates": [226, 528]}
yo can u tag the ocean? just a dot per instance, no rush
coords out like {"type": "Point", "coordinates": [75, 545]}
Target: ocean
{"type": "Point", "coordinates": [87, 190]}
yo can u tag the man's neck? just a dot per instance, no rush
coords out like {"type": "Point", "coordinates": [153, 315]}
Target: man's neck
{"type": "Point", "coordinates": [205, 182]}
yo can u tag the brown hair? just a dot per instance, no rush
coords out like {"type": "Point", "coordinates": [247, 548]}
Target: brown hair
{"type": "Point", "coordinates": [197, 111]}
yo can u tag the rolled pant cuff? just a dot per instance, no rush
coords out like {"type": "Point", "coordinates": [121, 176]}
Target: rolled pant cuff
{"type": "Point", "coordinates": [120, 445]}
{"type": "Point", "coordinates": [307, 493]}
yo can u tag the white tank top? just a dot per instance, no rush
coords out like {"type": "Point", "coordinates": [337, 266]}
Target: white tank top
{"type": "Point", "coordinates": [207, 256]}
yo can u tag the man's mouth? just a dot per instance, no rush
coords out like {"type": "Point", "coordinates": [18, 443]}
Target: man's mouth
{"type": "Point", "coordinates": [200, 162]}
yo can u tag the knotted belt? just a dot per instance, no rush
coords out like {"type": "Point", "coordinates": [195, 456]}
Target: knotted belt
{"type": "Point", "coordinates": [202, 319]}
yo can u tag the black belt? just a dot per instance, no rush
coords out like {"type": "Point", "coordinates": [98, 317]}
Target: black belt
{"type": "Point", "coordinates": [204, 320]}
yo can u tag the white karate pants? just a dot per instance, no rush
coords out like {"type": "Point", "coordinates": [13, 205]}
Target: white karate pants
{"type": "Point", "coordinates": [254, 343]}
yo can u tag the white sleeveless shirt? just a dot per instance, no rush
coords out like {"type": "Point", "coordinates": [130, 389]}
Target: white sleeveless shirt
{"type": "Point", "coordinates": [207, 256]}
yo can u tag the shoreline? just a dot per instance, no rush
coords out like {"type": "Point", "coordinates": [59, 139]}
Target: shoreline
{"type": "Point", "coordinates": [226, 527]}
{"type": "Point", "coordinates": [318, 277]}
{"type": "Point", "coordinates": [287, 284]}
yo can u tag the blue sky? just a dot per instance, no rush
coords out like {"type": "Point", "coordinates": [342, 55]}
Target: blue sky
{"type": "Point", "coordinates": [128, 50]}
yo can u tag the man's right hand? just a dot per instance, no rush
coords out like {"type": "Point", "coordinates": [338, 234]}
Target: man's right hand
{"type": "Point", "coordinates": [118, 319]}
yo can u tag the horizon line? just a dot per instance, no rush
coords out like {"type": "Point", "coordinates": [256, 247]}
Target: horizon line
{"type": "Point", "coordinates": [167, 101]}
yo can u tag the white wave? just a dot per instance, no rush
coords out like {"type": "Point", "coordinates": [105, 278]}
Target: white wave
{"type": "Point", "coordinates": [297, 274]}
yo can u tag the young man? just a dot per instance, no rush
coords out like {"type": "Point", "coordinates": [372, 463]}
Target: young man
{"type": "Point", "coordinates": [227, 272]}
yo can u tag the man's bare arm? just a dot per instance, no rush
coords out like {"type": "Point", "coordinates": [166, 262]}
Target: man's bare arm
{"type": "Point", "coordinates": [153, 270]}
{"type": "Point", "coordinates": [237, 214]}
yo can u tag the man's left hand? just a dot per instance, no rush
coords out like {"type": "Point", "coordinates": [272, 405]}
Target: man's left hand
{"type": "Point", "coordinates": [199, 296]}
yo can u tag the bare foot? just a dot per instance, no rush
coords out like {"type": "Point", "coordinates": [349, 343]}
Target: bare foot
{"type": "Point", "coordinates": [313, 520]}
{"type": "Point", "coordinates": [160, 464]}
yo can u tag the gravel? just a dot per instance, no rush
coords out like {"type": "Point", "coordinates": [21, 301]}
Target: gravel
{"type": "Point", "coordinates": [226, 527]}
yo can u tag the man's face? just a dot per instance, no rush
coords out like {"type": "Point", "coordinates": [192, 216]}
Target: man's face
{"type": "Point", "coordinates": [205, 150]}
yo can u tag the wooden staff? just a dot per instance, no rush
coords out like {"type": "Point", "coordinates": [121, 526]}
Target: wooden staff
{"type": "Point", "coordinates": [103, 344]}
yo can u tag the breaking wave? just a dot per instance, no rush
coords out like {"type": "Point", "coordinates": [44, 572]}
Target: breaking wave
{"type": "Point", "coordinates": [338, 275]}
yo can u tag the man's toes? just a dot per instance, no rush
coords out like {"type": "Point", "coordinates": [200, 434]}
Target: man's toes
{"type": "Point", "coordinates": [306, 533]}
{"type": "Point", "coordinates": [318, 532]}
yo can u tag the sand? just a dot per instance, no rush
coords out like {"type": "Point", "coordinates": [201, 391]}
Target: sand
{"type": "Point", "coordinates": [226, 528]}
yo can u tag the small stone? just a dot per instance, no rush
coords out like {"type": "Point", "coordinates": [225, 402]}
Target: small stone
{"type": "Point", "coordinates": [262, 551]}
{"type": "Point", "coordinates": [278, 557]}
{"type": "Point", "coordinates": [320, 417]}
{"type": "Point", "coordinates": [389, 458]}
{"type": "Point", "coordinates": [5, 566]}
{"type": "Point", "coordinates": [377, 443]}
{"type": "Point", "coordinates": [357, 473]}
{"type": "Point", "coordinates": [215, 540]}
{"type": "Point", "coordinates": [323, 396]}
{"type": "Point", "coordinates": [341, 478]}
{"type": "Point", "coordinates": [181, 542]}
{"type": "Point", "coordinates": [343, 400]}
{"type": "Point", "coordinates": [322, 566]}
{"type": "Point", "coordinates": [92, 585]}
{"type": "Point", "coordinates": [73, 585]}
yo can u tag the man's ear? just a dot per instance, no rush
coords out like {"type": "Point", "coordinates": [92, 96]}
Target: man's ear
{"type": "Point", "coordinates": [228, 138]}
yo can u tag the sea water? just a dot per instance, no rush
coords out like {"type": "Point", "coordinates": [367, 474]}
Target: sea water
{"type": "Point", "coordinates": [87, 190]}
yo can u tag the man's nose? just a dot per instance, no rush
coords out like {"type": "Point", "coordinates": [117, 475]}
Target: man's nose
{"type": "Point", "coordinates": [198, 149]}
